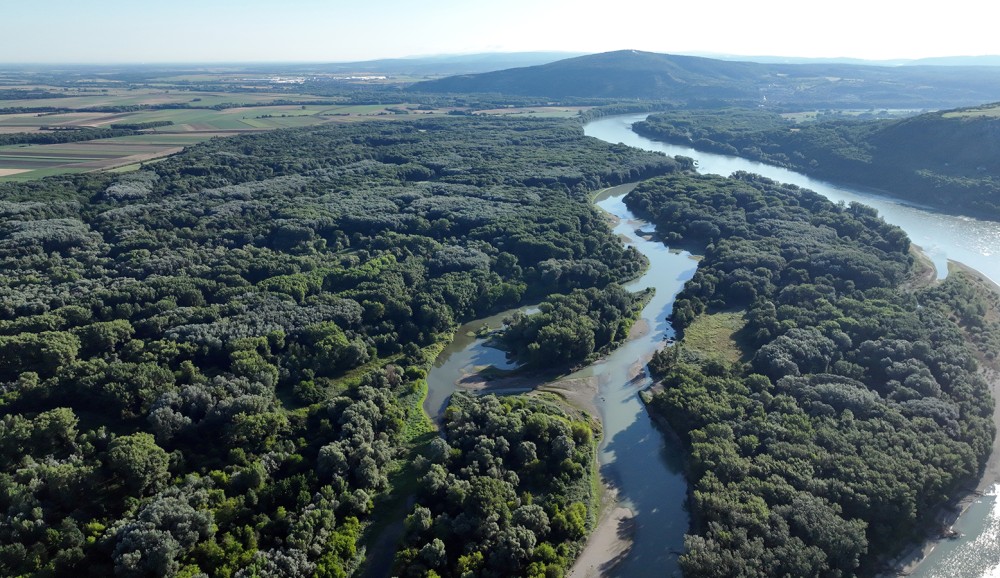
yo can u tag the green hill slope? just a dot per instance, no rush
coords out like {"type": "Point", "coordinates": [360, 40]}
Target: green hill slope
{"type": "Point", "coordinates": [687, 79]}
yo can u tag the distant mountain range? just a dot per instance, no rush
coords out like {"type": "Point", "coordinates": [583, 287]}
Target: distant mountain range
{"type": "Point", "coordinates": [985, 60]}
{"type": "Point", "coordinates": [694, 80]}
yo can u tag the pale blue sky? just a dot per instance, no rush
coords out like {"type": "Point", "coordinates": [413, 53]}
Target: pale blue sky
{"type": "Point", "coordinates": [340, 30]}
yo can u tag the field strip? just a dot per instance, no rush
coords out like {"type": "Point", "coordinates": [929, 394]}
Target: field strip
{"type": "Point", "coordinates": [129, 160]}
{"type": "Point", "coordinates": [9, 172]}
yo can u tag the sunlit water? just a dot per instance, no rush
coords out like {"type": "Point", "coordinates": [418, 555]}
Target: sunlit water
{"type": "Point", "coordinates": [974, 242]}
{"type": "Point", "coordinates": [635, 459]}
{"type": "Point", "coordinates": [462, 357]}
{"type": "Point", "coordinates": [976, 552]}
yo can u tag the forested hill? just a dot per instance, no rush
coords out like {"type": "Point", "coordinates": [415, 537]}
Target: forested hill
{"type": "Point", "coordinates": [692, 80]}
{"type": "Point", "coordinates": [949, 160]}
{"type": "Point", "coordinates": [214, 365]}
{"type": "Point", "coordinates": [622, 74]}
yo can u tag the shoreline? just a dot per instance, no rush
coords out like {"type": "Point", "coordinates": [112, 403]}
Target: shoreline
{"type": "Point", "coordinates": [611, 538]}
{"type": "Point", "coordinates": [610, 542]}
{"type": "Point", "coordinates": [910, 560]}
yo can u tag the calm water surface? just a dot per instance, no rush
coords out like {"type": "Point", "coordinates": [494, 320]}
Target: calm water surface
{"type": "Point", "coordinates": [633, 455]}
{"type": "Point", "coordinates": [964, 239]}
{"type": "Point", "coordinates": [970, 241]}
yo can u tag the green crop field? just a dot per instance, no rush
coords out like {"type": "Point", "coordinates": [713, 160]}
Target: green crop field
{"type": "Point", "coordinates": [171, 139]}
{"type": "Point", "coordinates": [27, 162]}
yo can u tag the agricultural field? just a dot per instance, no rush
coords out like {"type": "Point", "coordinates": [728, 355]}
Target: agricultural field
{"type": "Point", "coordinates": [188, 111]}
{"type": "Point", "coordinates": [539, 111]}
{"type": "Point", "coordinates": [194, 120]}
{"type": "Point", "coordinates": [36, 161]}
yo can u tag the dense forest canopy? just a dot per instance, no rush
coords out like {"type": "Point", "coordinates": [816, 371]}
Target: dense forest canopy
{"type": "Point", "coordinates": [215, 364]}
{"type": "Point", "coordinates": [856, 409]}
{"type": "Point", "coordinates": [948, 160]}
{"type": "Point", "coordinates": [504, 493]}
{"type": "Point", "coordinates": [569, 329]}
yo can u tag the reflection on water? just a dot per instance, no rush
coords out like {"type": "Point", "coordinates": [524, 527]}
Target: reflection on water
{"type": "Point", "coordinates": [462, 357]}
{"type": "Point", "coordinates": [646, 471]}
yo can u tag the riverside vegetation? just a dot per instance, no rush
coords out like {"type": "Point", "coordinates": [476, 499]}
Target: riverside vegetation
{"type": "Point", "coordinates": [215, 365]}
{"type": "Point", "coordinates": [945, 159]}
{"type": "Point", "coordinates": [854, 410]}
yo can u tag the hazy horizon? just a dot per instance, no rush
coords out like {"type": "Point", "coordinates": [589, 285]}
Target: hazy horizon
{"type": "Point", "coordinates": [311, 31]}
{"type": "Point", "coordinates": [458, 55]}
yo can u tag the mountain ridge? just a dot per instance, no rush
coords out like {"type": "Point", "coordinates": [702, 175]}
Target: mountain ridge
{"type": "Point", "coordinates": [683, 79]}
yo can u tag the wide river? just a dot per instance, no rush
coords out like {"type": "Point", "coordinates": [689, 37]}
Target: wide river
{"type": "Point", "coordinates": [635, 459]}
{"type": "Point", "coordinates": [973, 242]}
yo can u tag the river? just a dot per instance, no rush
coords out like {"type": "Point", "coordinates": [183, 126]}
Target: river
{"type": "Point", "coordinates": [633, 456]}
{"type": "Point", "coordinates": [973, 242]}
{"type": "Point", "coordinates": [635, 460]}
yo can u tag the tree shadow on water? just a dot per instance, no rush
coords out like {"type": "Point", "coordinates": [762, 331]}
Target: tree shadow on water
{"type": "Point", "coordinates": [647, 472]}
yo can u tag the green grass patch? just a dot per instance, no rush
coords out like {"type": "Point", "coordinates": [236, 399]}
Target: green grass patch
{"type": "Point", "coordinates": [417, 422]}
{"type": "Point", "coordinates": [160, 139]}
{"type": "Point", "coordinates": [715, 335]}
{"type": "Point", "coordinates": [126, 169]}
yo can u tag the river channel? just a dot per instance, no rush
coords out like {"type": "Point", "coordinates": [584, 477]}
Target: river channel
{"type": "Point", "coordinates": [635, 460]}
{"type": "Point", "coordinates": [944, 238]}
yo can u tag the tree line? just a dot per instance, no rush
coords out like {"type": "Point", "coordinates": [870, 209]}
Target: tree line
{"type": "Point", "coordinates": [947, 159]}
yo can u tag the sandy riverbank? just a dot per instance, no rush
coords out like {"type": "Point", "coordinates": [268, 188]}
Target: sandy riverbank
{"type": "Point", "coordinates": [611, 539]}
{"type": "Point", "coordinates": [609, 543]}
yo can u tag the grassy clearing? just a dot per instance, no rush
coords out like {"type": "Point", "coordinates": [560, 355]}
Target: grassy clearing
{"type": "Point", "coordinates": [715, 335]}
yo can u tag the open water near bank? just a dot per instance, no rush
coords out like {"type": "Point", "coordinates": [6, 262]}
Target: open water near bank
{"type": "Point", "coordinates": [973, 242]}
{"type": "Point", "coordinates": [633, 456]}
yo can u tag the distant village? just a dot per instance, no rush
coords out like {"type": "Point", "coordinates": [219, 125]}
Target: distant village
{"type": "Point", "coordinates": [302, 79]}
